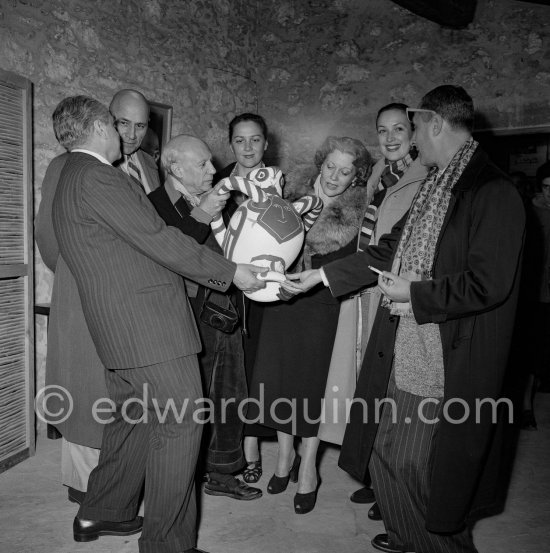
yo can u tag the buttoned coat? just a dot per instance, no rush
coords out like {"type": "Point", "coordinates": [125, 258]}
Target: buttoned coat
{"type": "Point", "coordinates": [472, 296]}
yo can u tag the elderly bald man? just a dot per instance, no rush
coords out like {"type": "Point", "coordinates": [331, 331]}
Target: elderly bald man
{"type": "Point", "coordinates": [188, 201]}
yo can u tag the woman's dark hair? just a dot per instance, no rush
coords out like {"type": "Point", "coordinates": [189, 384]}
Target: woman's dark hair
{"type": "Point", "coordinates": [363, 161]}
{"type": "Point", "coordinates": [389, 107]}
{"type": "Point", "coordinates": [247, 117]}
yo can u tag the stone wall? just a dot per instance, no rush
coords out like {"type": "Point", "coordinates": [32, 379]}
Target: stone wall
{"type": "Point", "coordinates": [326, 66]}
{"type": "Point", "coordinates": [190, 54]}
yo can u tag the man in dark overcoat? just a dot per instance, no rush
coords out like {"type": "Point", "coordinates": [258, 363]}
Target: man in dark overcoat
{"type": "Point", "coordinates": [432, 377]}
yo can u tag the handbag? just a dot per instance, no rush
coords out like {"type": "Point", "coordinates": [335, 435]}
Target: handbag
{"type": "Point", "coordinates": [218, 317]}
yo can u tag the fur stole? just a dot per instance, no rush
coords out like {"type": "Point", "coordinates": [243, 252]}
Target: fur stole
{"type": "Point", "coordinates": [338, 223]}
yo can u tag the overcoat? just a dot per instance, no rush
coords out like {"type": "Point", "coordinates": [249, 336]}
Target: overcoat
{"type": "Point", "coordinates": [472, 295]}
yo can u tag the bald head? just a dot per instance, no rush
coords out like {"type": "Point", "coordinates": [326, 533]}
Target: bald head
{"type": "Point", "coordinates": [131, 112]}
{"type": "Point", "coordinates": [180, 147]}
{"type": "Point", "coordinates": [129, 97]}
{"type": "Point", "coordinates": [187, 160]}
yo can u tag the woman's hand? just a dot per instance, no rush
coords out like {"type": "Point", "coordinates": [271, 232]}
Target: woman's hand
{"type": "Point", "coordinates": [395, 287]}
{"type": "Point", "coordinates": [298, 283]}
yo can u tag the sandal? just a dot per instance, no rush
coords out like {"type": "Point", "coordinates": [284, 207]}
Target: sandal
{"type": "Point", "coordinates": [253, 472]}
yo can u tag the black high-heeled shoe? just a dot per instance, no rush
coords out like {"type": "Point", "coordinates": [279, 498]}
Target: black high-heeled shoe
{"type": "Point", "coordinates": [278, 484]}
{"type": "Point", "coordinates": [305, 502]}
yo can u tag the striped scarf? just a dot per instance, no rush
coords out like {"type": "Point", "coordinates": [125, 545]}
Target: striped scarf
{"type": "Point", "coordinates": [392, 172]}
{"type": "Point", "coordinates": [416, 249]}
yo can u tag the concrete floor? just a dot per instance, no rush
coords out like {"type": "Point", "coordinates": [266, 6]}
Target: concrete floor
{"type": "Point", "coordinates": [35, 516]}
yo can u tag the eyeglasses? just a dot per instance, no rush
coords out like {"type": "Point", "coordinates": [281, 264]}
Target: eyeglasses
{"type": "Point", "coordinates": [412, 111]}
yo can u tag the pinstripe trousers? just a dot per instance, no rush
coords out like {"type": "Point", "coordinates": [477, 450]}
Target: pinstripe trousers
{"type": "Point", "coordinates": [400, 470]}
{"type": "Point", "coordinates": [156, 455]}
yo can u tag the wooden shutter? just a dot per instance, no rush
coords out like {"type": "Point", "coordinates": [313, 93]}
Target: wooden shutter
{"type": "Point", "coordinates": [16, 271]}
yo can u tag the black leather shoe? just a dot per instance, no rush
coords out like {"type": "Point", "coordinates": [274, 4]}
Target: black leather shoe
{"type": "Point", "coordinates": [374, 512]}
{"type": "Point", "coordinates": [364, 495]}
{"type": "Point", "coordinates": [75, 496]}
{"type": "Point", "coordinates": [382, 543]}
{"type": "Point", "coordinates": [231, 487]}
{"type": "Point", "coordinates": [90, 530]}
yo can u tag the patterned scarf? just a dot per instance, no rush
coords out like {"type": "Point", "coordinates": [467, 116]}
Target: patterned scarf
{"type": "Point", "coordinates": [416, 249]}
{"type": "Point", "coordinates": [392, 172]}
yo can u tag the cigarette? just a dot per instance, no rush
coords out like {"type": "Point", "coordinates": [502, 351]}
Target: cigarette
{"type": "Point", "coordinates": [375, 269]}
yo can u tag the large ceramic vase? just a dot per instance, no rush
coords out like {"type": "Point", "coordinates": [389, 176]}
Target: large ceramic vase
{"type": "Point", "coordinates": [265, 230]}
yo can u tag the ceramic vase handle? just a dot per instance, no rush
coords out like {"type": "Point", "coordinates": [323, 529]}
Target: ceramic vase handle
{"type": "Point", "coordinates": [240, 184]}
{"type": "Point", "coordinates": [309, 207]}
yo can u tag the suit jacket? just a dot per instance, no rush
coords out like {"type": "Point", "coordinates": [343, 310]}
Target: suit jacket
{"type": "Point", "coordinates": [150, 169]}
{"type": "Point", "coordinates": [71, 359]}
{"type": "Point", "coordinates": [472, 296]}
{"type": "Point", "coordinates": [179, 215]}
{"type": "Point", "coordinates": [124, 259]}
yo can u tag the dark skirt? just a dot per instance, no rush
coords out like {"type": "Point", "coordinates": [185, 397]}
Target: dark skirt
{"type": "Point", "coordinates": [292, 362]}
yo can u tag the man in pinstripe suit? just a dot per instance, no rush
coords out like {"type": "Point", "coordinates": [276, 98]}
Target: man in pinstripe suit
{"type": "Point", "coordinates": [124, 260]}
{"type": "Point", "coordinates": [68, 335]}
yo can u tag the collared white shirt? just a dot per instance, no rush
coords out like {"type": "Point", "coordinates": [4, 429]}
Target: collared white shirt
{"type": "Point", "coordinates": [94, 154]}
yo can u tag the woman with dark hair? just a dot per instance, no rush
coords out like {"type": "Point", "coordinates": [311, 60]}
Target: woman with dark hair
{"type": "Point", "coordinates": [248, 142]}
{"type": "Point", "coordinates": [297, 336]}
{"type": "Point", "coordinates": [394, 181]}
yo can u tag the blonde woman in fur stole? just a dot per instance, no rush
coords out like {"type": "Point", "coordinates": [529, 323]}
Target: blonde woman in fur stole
{"type": "Point", "coordinates": [297, 335]}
